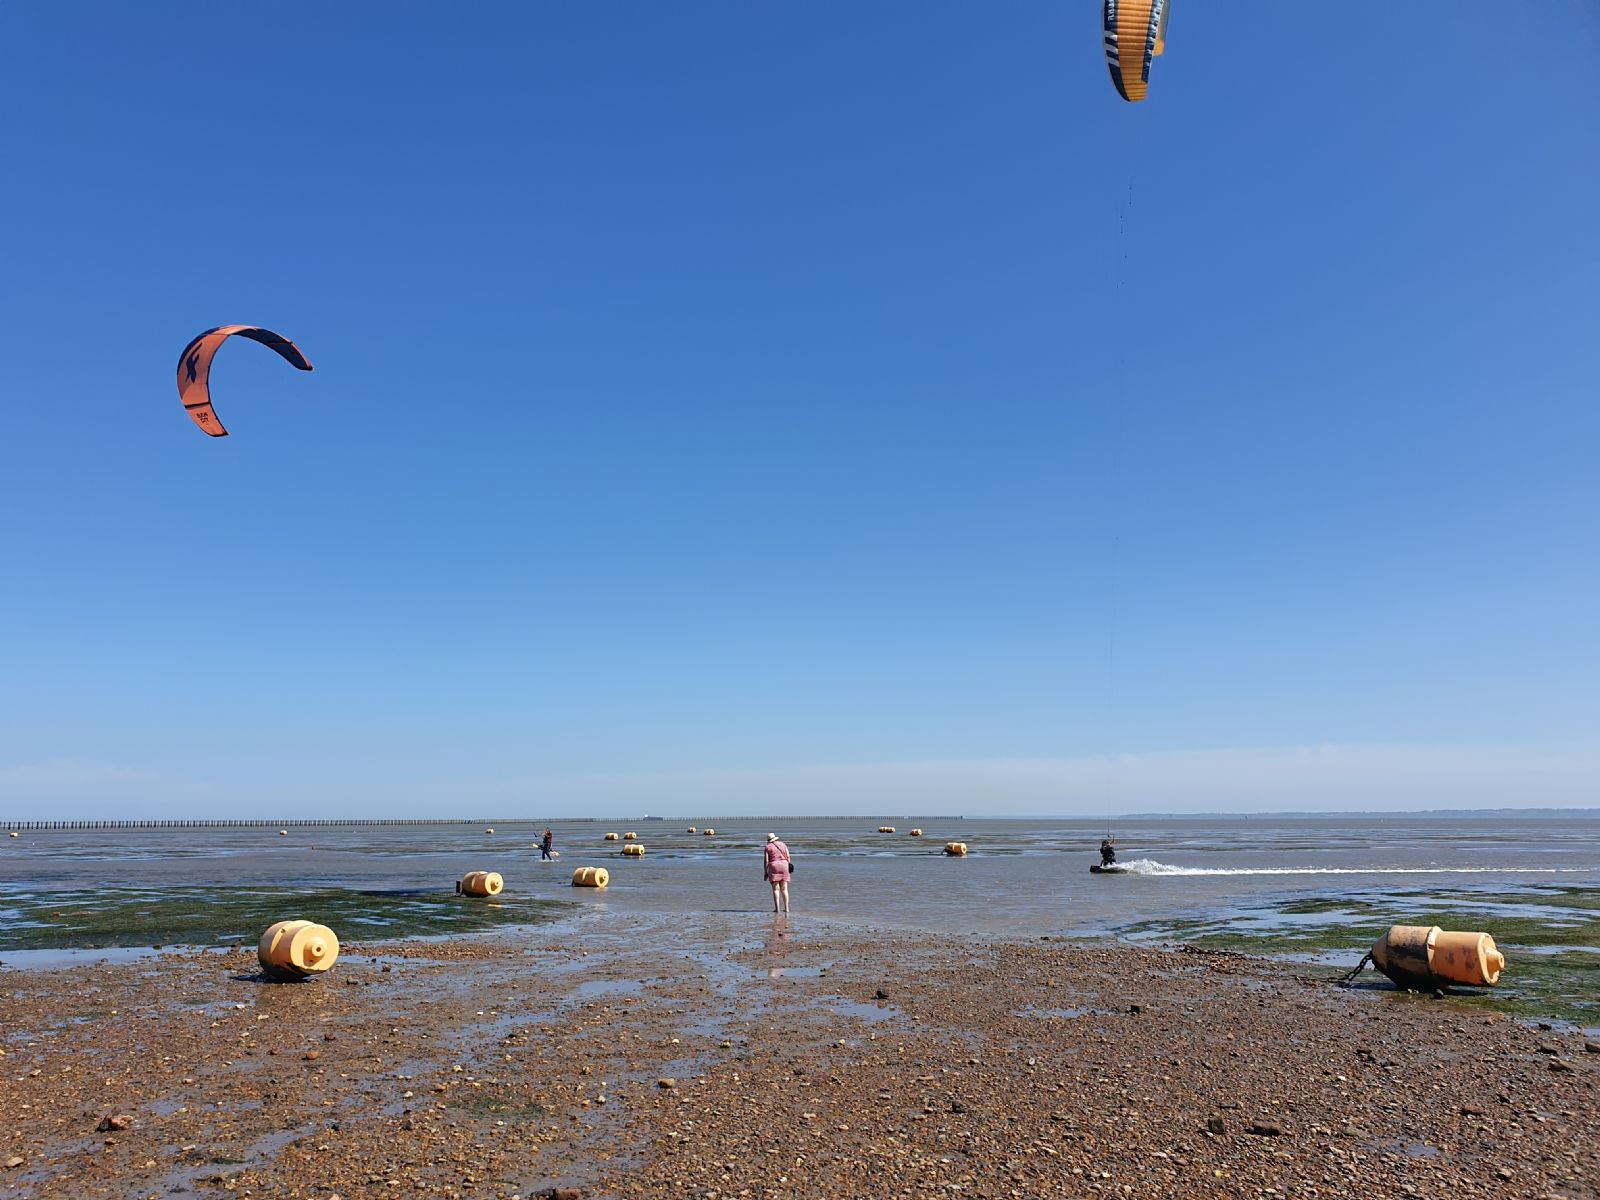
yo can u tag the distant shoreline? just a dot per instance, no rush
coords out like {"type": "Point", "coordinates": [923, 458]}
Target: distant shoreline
{"type": "Point", "coordinates": [110, 824]}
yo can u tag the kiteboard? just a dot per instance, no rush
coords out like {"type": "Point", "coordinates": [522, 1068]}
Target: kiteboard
{"type": "Point", "coordinates": [1097, 869]}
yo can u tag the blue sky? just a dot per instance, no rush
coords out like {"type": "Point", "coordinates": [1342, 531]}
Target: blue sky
{"type": "Point", "coordinates": [814, 407]}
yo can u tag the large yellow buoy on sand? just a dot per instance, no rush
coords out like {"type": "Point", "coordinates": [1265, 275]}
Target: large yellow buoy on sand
{"type": "Point", "coordinates": [595, 877]}
{"type": "Point", "coordinates": [481, 883]}
{"type": "Point", "coordinates": [692, 829]}
{"type": "Point", "coordinates": [633, 850]}
{"type": "Point", "coordinates": [297, 949]}
{"type": "Point", "coordinates": [611, 837]}
{"type": "Point", "coordinates": [916, 833]}
{"type": "Point", "coordinates": [709, 832]}
{"type": "Point", "coordinates": [955, 849]}
{"type": "Point", "coordinates": [1427, 957]}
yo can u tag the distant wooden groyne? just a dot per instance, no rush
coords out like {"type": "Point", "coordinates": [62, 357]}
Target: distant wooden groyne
{"type": "Point", "coordinates": [239, 824]}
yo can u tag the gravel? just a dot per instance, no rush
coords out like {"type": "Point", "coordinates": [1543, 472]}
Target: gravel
{"type": "Point", "coordinates": [736, 1057]}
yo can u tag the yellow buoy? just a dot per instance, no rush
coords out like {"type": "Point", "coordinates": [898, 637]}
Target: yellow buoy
{"type": "Point", "coordinates": [296, 949]}
{"type": "Point", "coordinates": [692, 829]}
{"type": "Point", "coordinates": [595, 877]}
{"type": "Point", "coordinates": [283, 833]}
{"type": "Point", "coordinates": [14, 833]}
{"type": "Point", "coordinates": [490, 829]}
{"type": "Point", "coordinates": [916, 833]}
{"type": "Point", "coordinates": [611, 837]}
{"type": "Point", "coordinates": [885, 828]}
{"type": "Point", "coordinates": [636, 850]}
{"type": "Point", "coordinates": [630, 837]}
{"type": "Point", "coordinates": [481, 883]}
{"type": "Point", "coordinates": [955, 849]}
{"type": "Point", "coordinates": [1425, 956]}
{"type": "Point", "coordinates": [709, 832]}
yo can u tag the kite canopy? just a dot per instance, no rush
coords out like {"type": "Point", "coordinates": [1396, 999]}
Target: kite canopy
{"type": "Point", "coordinates": [1135, 33]}
{"type": "Point", "coordinates": [194, 368]}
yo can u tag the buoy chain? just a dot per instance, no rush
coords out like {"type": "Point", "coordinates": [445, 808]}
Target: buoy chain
{"type": "Point", "coordinates": [1355, 970]}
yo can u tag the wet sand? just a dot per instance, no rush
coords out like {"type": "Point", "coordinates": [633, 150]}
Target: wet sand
{"type": "Point", "coordinates": [733, 1055]}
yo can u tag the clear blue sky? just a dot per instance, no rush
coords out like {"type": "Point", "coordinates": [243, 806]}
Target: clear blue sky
{"type": "Point", "coordinates": [794, 407]}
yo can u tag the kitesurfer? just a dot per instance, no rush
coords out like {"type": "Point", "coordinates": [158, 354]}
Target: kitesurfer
{"type": "Point", "coordinates": [1108, 851]}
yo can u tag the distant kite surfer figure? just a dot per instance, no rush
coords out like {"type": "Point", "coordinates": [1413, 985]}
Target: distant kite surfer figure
{"type": "Point", "coordinates": [1108, 851]}
{"type": "Point", "coordinates": [544, 846]}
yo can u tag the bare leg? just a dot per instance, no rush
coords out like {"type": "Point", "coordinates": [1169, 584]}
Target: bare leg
{"type": "Point", "coordinates": [776, 887]}
{"type": "Point", "coordinates": [783, 890]}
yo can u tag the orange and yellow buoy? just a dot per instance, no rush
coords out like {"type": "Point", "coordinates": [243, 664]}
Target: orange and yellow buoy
{"type": "Point", "coordinates": [955, 849]}
{"type": "Point", "coordinates": [297, 949]}
{"type": "Point", "coordinates": [595, 877]}
{"type": "Point", "coordinates": [481, 883]}
{"type": "Point", "coordinates": [1427, 957]}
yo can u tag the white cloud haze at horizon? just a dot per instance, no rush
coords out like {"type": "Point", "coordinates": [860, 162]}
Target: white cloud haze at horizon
{"type": "Point", "coordinates": [1364, 777]}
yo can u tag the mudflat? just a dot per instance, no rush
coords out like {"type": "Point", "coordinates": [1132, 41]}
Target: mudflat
{"type": "Point", "coordinates": [738, 1055]}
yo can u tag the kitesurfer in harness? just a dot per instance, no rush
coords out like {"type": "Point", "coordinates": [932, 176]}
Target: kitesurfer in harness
{"type": "Point", "coordinates": [1108, 851]}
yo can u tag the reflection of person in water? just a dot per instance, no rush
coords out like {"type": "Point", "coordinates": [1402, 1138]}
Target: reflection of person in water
{"type": "Point", "coordinates": [1108, 851]}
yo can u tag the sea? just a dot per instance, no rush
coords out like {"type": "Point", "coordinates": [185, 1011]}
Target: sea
{"type": "Point", "coordinates": [1313, 889]}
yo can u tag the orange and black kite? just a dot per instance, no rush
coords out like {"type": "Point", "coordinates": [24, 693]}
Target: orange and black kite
{"type": "Point", "coordinates": [194, 368]}
{"type": "Point", "coordinates": [1135, 33]}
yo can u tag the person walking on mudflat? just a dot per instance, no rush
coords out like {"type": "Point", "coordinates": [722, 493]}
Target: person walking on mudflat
{"type": "Point", "coordinates": [776, 869]}
{"type": "Point", "coordinates": [546, 845]}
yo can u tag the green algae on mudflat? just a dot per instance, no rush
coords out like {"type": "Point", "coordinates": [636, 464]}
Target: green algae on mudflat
{"type": "Point", "coordinates": [1551, 943]}
{"type": "Point", "coordinates": [211, 916]}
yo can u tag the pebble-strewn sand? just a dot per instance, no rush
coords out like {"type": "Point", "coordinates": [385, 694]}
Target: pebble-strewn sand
{"type": "Point", "coordinates": [666, 1059]}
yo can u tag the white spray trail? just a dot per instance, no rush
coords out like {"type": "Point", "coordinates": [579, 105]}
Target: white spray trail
{"type": "Point", "coordinates": [1148, 866]}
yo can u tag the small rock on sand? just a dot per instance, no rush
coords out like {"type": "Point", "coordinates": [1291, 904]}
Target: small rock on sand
{"type": "Point", "coordinates": [115, 1124]}
{"type": "Point", "coordinates": [1216, 1125]}
{"type": "Point", "coordinates": [667, 1082]}
{"type": "Point", "coordinates": [1264, 1129]}
{"type": "Point", "coordinates": [15, 1161]}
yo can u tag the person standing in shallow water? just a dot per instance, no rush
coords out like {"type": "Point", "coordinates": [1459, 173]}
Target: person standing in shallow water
{"type": "Point", "coordinates": [546, 845]}
{"type": "Point", "coordinates": [776, 869]}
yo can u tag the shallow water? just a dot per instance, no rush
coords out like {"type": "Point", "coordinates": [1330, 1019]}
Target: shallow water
{"type": "Point", "coordinates": [1315, 888]}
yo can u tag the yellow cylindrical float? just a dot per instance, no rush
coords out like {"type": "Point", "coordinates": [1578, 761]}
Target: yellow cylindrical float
{"type": "Point", "coordinates": [296, 949]}
{"type": "Point", "coordinates": [14, 833]}
{"type": "Point", "coordinates": [490, 829]}
{"type": "Point", "coordinates": [885, 828]}
{"type": "Point", "coordinates": [692, 829]}
{"type": "Point", "coordinates": [595, 877]}
{"type": "Point", "coordinates": [612, 837]}
{"type": "Point", "coordinates": [709, 832]}
{"type": "Point", "coordinates": [634, 850]}
{"type": "Point", "coordinates": [481, 883]}
{"type": "Point", "coordinates": [1425, 956]}
{"type": "Point", "coordinates": [955, 849]}
{"type": "Point", "coordinates": [283, 833]}
{"type": "Point", "coordinates": [630, 836]}
{"type": "Point", "coordinates": [916, 833]}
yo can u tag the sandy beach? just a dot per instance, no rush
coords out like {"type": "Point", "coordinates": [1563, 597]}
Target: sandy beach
{"type": "Point", "coordinates": [741, 1055]}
